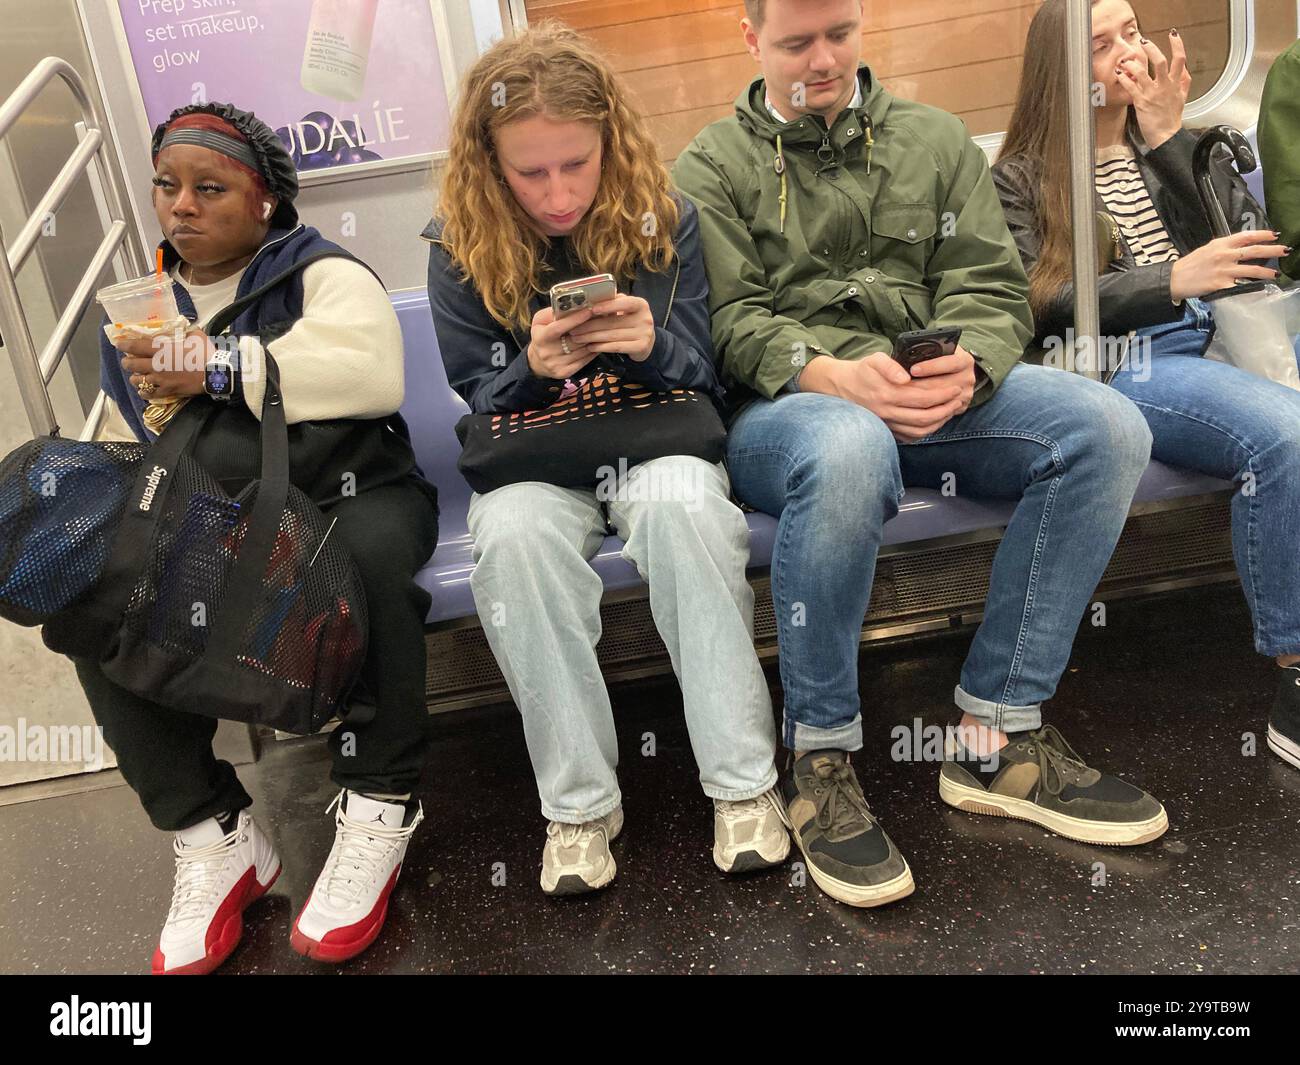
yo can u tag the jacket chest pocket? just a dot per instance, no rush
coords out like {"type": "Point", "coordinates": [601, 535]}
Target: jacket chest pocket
{"type": "Point", "coordinates": [902, 237]}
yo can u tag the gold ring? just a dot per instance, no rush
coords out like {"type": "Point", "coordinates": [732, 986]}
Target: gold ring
{"type": "Point", "coordinates": [147, 388]}
{"type": "Point", "coordinates": [564, 343]}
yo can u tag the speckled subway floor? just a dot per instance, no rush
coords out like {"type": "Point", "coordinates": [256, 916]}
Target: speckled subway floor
{"type": "Point", "coordinates": [1162, 696]}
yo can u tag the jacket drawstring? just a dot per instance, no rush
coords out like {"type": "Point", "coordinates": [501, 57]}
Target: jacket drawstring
{"type": "Point", "coordinates": [778, 164]}
{"type": "Point", "coordinates": [868, 130]}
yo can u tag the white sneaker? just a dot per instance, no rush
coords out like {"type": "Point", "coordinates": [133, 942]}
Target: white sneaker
{"type": "Point", "coordinates": [749, 834]}
{"type": "Point", "coordinates": [348, 905]}
{"type": "Point", "coordinates": [576, 858]}
{"type": "Point", "coordinates": [218, 875]}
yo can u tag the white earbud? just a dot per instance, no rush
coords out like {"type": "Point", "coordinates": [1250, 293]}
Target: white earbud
{"type": "Point", "coordinates": [266, 209]}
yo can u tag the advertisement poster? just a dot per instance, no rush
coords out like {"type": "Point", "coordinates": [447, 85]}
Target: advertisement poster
{"type": "Point", "coordinates": [344, 82]}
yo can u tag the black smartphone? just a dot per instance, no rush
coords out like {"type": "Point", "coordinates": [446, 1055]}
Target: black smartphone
{"type": "Point", "coordinates": [920, 345]}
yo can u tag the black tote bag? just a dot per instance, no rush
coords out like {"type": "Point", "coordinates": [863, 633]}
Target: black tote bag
{"type": "Point", "coordinates": [586, 436]}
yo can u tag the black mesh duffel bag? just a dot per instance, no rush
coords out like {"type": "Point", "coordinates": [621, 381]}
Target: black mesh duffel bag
{"type": "Point", "coordinates": [238, 607]}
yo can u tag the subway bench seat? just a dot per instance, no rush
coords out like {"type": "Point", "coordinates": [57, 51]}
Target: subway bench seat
{"type": "Point", "coordinates": [932, 572]}
{"type": "Point", "coordinates": [431, 410]}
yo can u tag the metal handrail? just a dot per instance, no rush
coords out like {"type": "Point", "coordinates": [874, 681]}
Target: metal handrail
{"type": "Point", "coordinates": [34, 371]}
{"type": "Point", "coordinates": [1083, 212]}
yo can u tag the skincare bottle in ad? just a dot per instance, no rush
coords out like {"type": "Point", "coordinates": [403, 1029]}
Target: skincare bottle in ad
{"type": "Point", "coordinates": [338, 47]}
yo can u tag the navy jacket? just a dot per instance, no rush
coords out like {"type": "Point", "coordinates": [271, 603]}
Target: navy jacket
{"type": "Point", "coordinates": [271, 315]}
{"type": "Point", "coordinates": [682, 356]}
{"type": "Point", "coordinates": [324, 456]}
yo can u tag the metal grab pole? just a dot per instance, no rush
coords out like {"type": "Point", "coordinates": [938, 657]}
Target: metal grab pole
{"type": "Point", "coordinates": [1083, 214]}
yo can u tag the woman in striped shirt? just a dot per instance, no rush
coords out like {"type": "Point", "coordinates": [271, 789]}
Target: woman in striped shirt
{"type": "Point", "coordinates": [1162, 258]}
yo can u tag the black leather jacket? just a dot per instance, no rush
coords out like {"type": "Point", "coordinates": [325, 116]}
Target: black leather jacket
{"type": "Point", "coordinates": [1132, 296]}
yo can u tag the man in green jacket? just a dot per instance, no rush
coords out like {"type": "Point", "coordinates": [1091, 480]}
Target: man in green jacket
{"type": "Point", "coordinates": [834, 217]}
{"type": "Point", "coordinates": [1279, 132]}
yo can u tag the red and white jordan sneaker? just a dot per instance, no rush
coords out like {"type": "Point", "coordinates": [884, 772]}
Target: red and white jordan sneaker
{"type": "Point", "coordinates": [349, 903]}
{"type": "Point", "coordinates": [218, 875]}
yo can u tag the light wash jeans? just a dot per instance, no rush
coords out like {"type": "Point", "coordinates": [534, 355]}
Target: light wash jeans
{"type": "Point", "coordinates": [539, 602]}
{"type": "Point", "coordinates": [1216, 419]}
{"type": "Point", "coordinates": [1070, 450]}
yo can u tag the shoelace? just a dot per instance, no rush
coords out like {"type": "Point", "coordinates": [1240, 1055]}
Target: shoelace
{"type": "Point", "coordinates": [360, 853]}
{"type": "Point", "coordinates": [756, 807]}
{"type": "Point", "coordinates": [197, 874]}
{"type": "Point", "coordinates": [570, 835]}
{"type": "Point", "coordinates": [1055, 753]}
{"type": "Point", "coordinates": [840, 802]}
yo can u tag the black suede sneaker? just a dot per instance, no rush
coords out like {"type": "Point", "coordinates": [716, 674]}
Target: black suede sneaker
{"type": "Point", "coordinates": [1039, 777]}
{"type": "Point", "coordinates": [1284, 722]}
{"type": "Point", "coordinates": [848, 854]}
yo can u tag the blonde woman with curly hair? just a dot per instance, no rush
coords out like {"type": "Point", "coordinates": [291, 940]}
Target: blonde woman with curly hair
{"type": "Point", "coordinates": [553, 177]}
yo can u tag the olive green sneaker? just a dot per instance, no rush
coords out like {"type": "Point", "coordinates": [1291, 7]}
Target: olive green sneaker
{"type": "Point", "coordinates": [1039, 777]}
{"type": "Point", "coordinates": [848, 854]}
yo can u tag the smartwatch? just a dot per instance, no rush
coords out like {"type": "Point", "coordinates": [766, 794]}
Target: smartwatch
{"type": "Point", "coordinates": [219, 376]}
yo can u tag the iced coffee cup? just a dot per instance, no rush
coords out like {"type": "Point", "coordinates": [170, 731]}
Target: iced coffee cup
{"type": "Point", "coordinates": [146, 308]}
{"type": "Point", "coordinates": [143, 307]}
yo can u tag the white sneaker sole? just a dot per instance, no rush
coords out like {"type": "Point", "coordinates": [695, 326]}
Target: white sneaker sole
{"type": "Point", "coordinates": [748, 859]}
{"type": "Point", "coordinates": [1287, 750]}
{"type": "Point", "coordinates": [860, 895]}
{"type": "Point", "coordinates": [977, 801]}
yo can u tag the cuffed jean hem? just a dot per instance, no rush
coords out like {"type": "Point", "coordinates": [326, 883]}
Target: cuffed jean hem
{"type": "Point", "coordinates": [740, 794]}
{"type": "Point", "coordinates": [999, 715]}
{"type": "Point", "coordinates": [1279, 649]}
{"type": "Point", "coordinates": [569, 817]}
{"type": "Point", "coordinates": [841, 738]}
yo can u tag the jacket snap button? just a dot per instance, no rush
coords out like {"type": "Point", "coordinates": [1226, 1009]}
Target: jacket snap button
{"type": "Point", "coordinates": [911, 234]}
{"type": "Point", "coordinates": [853, 292]}
{"type": "Point", "coordinates": [852, 131]}
{"type": "Point", "coordinates": [863, 253]}
{"type": "Point", "coordinates": [870, 278]}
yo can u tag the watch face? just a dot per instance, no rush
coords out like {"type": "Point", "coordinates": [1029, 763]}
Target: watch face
{"type": "Point", "coordinates": [218, 381]}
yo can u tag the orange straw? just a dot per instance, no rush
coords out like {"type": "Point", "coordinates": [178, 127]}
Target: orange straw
{"type": "Point", "coordinates": [158, 305]}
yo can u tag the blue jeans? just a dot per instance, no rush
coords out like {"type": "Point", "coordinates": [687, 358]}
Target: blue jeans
{"type": "Point", "coordinates": [1217, 419]}
{"type": "Point", "coordinates": [1069, 449]}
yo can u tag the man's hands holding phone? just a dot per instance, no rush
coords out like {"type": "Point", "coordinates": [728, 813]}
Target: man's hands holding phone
{"type": "Point", "coordinates": [914, 404]}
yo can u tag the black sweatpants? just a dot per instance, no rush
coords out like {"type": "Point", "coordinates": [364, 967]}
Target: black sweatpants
{"type": "Point", "coordinates": [379, 746]}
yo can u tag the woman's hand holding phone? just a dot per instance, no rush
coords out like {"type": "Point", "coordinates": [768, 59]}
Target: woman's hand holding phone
{"type": "Point", "coordinates": [547, 356]}
{"type": "Point", "coordinates": [623, 325]}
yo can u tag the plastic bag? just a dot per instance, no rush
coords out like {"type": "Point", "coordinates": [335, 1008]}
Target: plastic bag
{"type": "Point", "coordinates": [1256, 332]}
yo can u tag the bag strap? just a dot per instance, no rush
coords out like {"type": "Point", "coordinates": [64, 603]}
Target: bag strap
{"type": "Point", "coordinates": [224, 317]}
{"type": "Point", "coordinates": [244, 586]}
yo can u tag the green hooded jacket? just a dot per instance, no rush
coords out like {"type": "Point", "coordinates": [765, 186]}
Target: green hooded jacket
{"type": "Point", "coordinates": [832, 242]}
{"type": "Point", "coordinates": [1279, 130]}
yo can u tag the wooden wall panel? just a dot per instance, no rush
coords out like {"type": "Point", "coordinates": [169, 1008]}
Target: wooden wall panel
{"type": "Point", "coordinates": [685, 62]}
